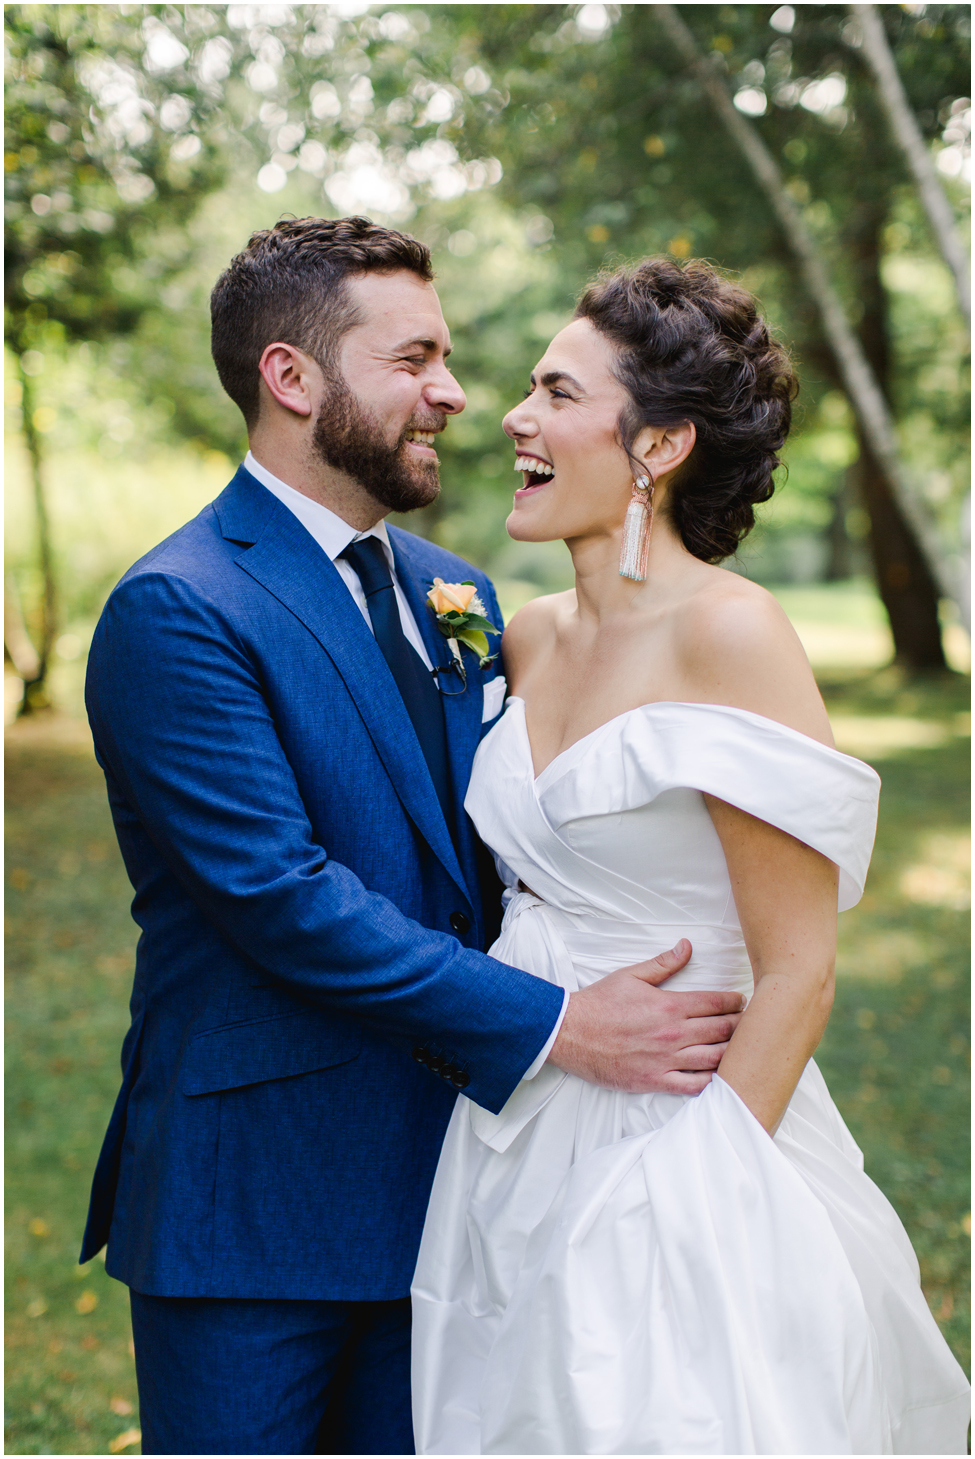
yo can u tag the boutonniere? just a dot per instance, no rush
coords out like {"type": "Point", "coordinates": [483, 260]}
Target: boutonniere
{"type": "Point", "coordinates": [460, 617]}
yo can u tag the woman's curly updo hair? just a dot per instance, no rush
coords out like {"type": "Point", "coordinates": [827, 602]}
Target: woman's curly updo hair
{"type": "Point", "coordinates": [693, 347]}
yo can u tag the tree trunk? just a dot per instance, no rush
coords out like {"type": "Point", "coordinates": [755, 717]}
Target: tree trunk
{"type": "Point", "coordinates": [839, 561]}
{"type": "Point", "coordinates": [904, 581]}
{"type": "Point", "coordinates": [874, 421]}
{"type": "Point", "coordinates": [35, 687]}
{"type": "Point", "coordinates": [907, 134]}
{"type": "Point", "coordinates": [17, 646]}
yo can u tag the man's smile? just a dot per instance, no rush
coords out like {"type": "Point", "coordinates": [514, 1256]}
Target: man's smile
{"type": "Point", "coordinates": [422, 443]}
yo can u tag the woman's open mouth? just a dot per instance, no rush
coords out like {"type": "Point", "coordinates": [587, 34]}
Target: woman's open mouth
{"type": "Point", "coordinates": [537, 473]}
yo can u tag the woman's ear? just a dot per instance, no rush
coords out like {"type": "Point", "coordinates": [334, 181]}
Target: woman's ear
{"type": "Point", "coordinates": [292, 377]}
{"type": "Point", "coordinates": [661, 449]}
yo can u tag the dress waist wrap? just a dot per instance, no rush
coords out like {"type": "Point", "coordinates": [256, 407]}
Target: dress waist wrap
{"type": "Point", "coordinates": [574, 950]}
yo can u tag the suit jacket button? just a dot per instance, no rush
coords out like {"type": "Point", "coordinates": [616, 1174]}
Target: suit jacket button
{"type": "Point", "coordinates": [436, 1063]}
{"type": "Point", "coordinates": [460, 1080]}
{"type": "Point", "coordinates": [420, 1055]}
{"type": "Point", "coordinates": [459, 922]}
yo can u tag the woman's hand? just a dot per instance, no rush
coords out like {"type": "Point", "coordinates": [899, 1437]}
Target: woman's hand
{"type": "Point", "coordinates": [786, 897]}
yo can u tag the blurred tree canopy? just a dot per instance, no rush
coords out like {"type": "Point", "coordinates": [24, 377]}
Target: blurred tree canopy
{"type": "Point", "coordinates": [529, 145]}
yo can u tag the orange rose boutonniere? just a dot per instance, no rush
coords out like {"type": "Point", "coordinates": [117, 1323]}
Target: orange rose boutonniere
{"type": "Point", "coordinates": [460, 617]}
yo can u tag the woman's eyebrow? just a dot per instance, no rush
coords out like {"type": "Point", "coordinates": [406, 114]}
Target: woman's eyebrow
{"type": "Point", "coordinates": [552, 377]}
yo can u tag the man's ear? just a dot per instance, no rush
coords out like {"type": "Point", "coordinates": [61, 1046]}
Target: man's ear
{"type": "Point", "coordinates": [292, 377]}
{"type": "Point", "coordinates": [661, 449]}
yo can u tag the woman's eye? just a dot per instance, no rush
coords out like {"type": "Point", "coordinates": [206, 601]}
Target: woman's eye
{"type": "Point", "coordinates": [560, 395]}
{"type": "Point", "coordinates": [530, 390]}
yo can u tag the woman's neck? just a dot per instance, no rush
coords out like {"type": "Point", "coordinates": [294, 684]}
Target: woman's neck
{"type": "Point", "coordinates": [600, 591]}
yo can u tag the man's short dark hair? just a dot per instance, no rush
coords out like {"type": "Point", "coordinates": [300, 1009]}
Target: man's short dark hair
{"type": "Point", "coordinates": [289, 284]}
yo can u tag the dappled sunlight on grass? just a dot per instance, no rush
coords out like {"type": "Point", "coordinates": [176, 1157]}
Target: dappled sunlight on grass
{"type": "Point", "coordinates": [896, 1049]}
{"type": "Point", "coordinates": [70, 945]}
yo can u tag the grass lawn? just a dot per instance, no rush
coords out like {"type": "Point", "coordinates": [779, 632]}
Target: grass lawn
{"type": "Point", "coordinates": [894, 1054]}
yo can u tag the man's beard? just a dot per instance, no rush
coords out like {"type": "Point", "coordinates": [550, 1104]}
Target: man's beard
{"type": "Point", "coordinates": [349, 440]}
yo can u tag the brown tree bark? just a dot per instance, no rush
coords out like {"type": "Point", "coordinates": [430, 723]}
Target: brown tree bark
{"type": "Point", "coordinates": [904, 580]}
{"type": "Point", "coordinates": [35, 687]}
{"type": "Point", "coordinates": [839, 563]}
{"type": "Point", "coordinates": [907, 133]}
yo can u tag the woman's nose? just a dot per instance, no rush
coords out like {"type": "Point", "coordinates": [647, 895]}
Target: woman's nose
{"type": "Point", "coordinates": [518, 423]}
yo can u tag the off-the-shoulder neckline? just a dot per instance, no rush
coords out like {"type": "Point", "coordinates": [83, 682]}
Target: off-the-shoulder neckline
{"type": "Point", "coordinates": [732, 709]}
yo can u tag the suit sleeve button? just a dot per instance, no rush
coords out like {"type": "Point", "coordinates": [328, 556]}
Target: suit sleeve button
{"type": "Point", "coordinates": [420, 1055]}
{"type": "Point", "coordinates": [436, 1063]}
{"type": "Point", "coordinates": [459, 922]}
{"type": "Point", "coordinates": [460, 1080]}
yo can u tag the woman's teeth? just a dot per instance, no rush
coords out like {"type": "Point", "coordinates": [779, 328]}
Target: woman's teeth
{"type": "Point", "coordinates": [532, 464]}
{"type": "Point", "coordinates": [422, 438]}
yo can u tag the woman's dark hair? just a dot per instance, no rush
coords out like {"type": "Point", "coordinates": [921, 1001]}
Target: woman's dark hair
{"type": "Point", "coordinates": [289, 284]}
{"type": "Point", "coordinates": [693, 347]}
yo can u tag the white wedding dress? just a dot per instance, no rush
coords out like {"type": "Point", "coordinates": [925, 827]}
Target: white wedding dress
{"type": "Point", "coordinates": [604, 1273]}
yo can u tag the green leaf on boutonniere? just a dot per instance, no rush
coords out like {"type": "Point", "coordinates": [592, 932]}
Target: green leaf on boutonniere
{"type": "Point", "coordinates": [474, 620]}
{"type": "Point", "coordinates": [474, 639]}
{"type": "Point", "coordinates": [460, 618]}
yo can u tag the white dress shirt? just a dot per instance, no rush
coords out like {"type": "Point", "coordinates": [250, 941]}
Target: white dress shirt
{"type": "Point", "coordinates": [333, 536]}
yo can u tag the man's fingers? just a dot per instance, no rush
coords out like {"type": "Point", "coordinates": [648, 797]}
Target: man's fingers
{"type": "Point", "coordinates": [704, 1004]}
{"type": "Point", "coordinates": [710, 1030]}
{"type": "Point", "coordinates": [700, 1056]}
{"type": "Point", "coordinates": [679, 1083]}
{"type": "Point", "coordinates": [658, 969]}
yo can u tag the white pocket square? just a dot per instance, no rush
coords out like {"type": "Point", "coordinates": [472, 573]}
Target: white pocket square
{"type": "Point", "coordinates": [494, 697]}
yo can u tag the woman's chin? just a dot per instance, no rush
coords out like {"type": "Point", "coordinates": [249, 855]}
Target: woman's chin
{"type": "Point", "coordinates": [524, 526]}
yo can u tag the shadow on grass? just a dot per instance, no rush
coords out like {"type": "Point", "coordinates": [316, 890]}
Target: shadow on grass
{"type": "Point", "coordinates": [894, 1054]}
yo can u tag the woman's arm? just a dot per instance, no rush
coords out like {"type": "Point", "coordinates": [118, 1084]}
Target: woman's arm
{"type": "Point", "coordinates": [785, 894]}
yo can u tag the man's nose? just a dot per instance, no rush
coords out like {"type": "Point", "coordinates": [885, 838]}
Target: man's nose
{"type": "Point", "coordinates": [444, 393]}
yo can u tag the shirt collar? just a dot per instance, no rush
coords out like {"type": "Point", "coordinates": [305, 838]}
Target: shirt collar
{"type": "Point", "coordinates": [332, 534]}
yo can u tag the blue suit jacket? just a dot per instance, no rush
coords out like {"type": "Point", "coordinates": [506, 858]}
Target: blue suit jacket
{"type": "Point", "coordinates": [294, 882]}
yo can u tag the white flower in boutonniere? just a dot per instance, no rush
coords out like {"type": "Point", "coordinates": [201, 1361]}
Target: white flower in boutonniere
{"type": "Point", "coordinates": [460, 617]}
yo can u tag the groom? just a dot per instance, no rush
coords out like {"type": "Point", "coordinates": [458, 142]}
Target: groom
{"type": "Point", "coordinates": [286, 747]}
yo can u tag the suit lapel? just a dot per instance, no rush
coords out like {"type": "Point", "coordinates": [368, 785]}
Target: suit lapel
{"type": "Point", "coordinates": [287, 561]}
{"type": "Point", "coordinates": [462, 711]}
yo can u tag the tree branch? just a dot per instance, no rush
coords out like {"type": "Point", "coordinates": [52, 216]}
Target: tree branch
{"type": "Point", "coordinates": [866, 397]}
{"type": "Point", "coordinates": [904, 125]}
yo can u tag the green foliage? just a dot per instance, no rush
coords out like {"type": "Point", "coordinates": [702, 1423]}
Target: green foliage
{"type": "Point", "coordinates": [103, 165]}
{"type": "Point", "coordinates": [528, 151]}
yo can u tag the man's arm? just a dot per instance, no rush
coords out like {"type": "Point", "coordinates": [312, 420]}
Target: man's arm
{"type": "Point", "coordinates": [182, 721]}
{"type": "Point", "coordinates": [181, 718]}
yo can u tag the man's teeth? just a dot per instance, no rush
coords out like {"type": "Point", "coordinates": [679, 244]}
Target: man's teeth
{"type": "Point", "coordinates": [422, 438]}
{"type": "Point", "coordinates": [532, 464]}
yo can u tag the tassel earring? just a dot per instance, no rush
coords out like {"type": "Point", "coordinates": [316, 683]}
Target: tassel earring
{"type": "Point", "coordinates": [637, 527]}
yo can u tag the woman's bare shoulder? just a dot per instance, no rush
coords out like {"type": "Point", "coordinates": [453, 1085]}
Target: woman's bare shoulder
{"type": "Point", "coordinates": [737, 647]}
{"type": "Point", "coordinates": [532, 629]}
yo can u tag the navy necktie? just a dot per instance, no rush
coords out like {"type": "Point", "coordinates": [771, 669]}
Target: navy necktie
{"type": "Point", "coordinates": [413, 679]}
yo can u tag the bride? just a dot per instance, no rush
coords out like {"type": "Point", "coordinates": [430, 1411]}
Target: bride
{"type": "Point", "coordinates": [709, 1273]}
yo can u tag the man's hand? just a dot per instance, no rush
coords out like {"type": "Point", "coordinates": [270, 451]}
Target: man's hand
{"type": "Point", "coordinates": [622, 1032]}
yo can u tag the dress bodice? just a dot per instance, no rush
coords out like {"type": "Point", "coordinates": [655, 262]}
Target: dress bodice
{"type": "Point", "coordinates": [616, 825]}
